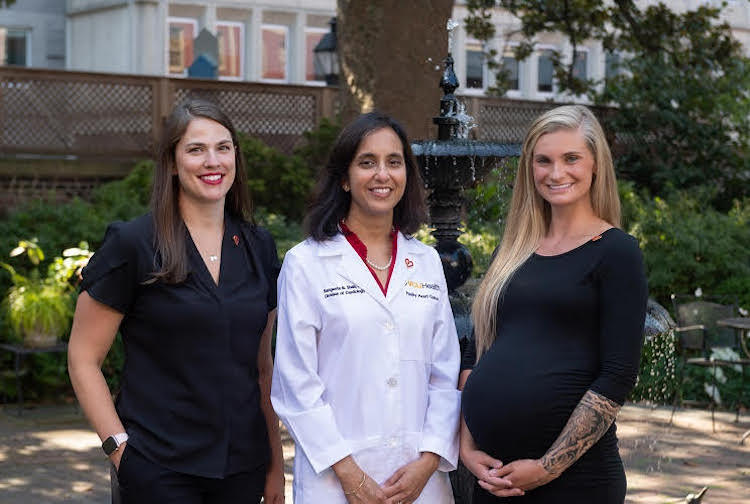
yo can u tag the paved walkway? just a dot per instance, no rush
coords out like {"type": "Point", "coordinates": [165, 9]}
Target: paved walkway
{"type": "Point", "coordinates": [49, 455]}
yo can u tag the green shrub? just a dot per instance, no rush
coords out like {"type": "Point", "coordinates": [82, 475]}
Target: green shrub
{"type": "Point", "coordinates": [318, 142]}
{"type": "Point", "coordinates": [488, 202]}
{"type": "Point", "coordinates": [277, 182]}
{"type": "Point", "coordinates": [285, 233]}
{"type": "Point", "coordinates": [481, 240]}
{"type": "Point", "coordinates": [687, 244]}
{"type": "Point", "coordinates": [280, 183]}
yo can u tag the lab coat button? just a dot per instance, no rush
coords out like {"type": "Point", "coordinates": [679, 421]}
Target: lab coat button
{"type": "Point", "coordinates": [389, 325]}
{"type": "Point", "coordinates": [392, 381]}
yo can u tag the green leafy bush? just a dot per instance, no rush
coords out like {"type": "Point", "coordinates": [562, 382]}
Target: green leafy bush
{"type": "Point", "coordinates": [286, 233]}
{"type": "Point", "coordinates": [41, 307]}
{"type": "Point", "coordinates": [277, 182]}
{"type": "Point", "coordinates": [281, 183]}
{"type": "Point", "coordinates": [688, 244]}
{"type": "Point", "coordinates": [488, 202]}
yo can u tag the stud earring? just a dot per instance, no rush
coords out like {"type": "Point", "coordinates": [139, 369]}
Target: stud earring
{"type": "Point", "coordinates": [346, 187]}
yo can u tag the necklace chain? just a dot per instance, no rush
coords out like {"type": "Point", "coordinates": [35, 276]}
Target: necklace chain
{"type": "Point", "coordinates": [378, 267]}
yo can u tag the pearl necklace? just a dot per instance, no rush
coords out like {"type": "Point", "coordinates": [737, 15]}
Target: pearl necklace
{"type": "Point", "coordinates": [367, 259]}
{"type": "Point", "coordinates": [379, 268]}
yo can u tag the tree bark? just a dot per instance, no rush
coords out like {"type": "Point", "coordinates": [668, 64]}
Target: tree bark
{"type": "Point", "coordinates": [388, 52]}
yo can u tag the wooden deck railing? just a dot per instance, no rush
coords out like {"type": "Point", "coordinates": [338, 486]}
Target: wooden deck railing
{"type": "Point", "coordinates": [62, 113]}
{"type": "Point", "coordinates": [90, 115]}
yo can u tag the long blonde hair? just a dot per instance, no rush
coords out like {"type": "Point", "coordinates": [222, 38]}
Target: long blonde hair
{"type": "Point", "coordinates": [529, 215]}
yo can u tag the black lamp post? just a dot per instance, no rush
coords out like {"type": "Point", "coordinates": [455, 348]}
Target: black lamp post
{"type": "Point", "coordinates": [326, 59]}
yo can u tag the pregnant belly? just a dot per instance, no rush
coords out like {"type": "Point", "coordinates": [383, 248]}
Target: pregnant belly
{"type": "Point", "coordinates": [517, 411]}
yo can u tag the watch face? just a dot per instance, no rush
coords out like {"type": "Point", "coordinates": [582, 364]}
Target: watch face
{"type": "Point", "coordinates": [109, 445]}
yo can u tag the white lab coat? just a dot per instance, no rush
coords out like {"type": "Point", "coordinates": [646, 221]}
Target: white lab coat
{"type": "Point", "coordinates": [363, 374]}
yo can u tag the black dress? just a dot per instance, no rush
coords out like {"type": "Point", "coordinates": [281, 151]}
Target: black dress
{"type": "Point", "coordinates": [566, 324]}
{"type": "Point", "coordinates": [189, 396]}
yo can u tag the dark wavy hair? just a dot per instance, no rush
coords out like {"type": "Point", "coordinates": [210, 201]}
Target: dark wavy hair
{"type": "Point", "coordinates": [169, 228]}
{"type": "Point", "coordinates": [330, 203]}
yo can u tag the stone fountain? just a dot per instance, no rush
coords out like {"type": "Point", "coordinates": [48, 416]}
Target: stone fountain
{"type": "Point", "coordinates": [450, 164]}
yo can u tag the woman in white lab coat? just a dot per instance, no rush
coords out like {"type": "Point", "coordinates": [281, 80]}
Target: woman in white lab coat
{"type": "Point", "coordinates": [367, 356]}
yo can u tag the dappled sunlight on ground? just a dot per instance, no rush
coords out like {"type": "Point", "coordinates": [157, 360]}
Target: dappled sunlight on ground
{"type": "Point", "coordinates": [666, 462]}
{"type": "Point", "coordinates": [50, 455]}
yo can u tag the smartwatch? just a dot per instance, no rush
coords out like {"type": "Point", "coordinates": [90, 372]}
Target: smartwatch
{"type": "Point", "coordinates": [113, 442]}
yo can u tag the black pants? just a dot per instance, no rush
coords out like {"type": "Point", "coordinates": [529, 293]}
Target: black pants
{"type": "Point", "coordinates": [144, 482]}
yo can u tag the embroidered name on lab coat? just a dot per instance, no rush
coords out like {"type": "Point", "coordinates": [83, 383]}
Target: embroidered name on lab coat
{"type": "Point", "coordinates": [342, 290]}
{"type": "Point", "coordinates": [422, 290]}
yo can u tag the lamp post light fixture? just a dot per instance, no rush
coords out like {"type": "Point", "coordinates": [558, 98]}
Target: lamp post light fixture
{"type": "Point", "coordinates": [326, 59]}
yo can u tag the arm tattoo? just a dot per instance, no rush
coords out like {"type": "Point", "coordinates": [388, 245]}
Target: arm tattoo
{"type": "Point", "coordinates": [586, 425]}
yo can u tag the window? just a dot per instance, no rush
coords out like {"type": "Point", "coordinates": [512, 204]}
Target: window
{"type": "Point", "coordinates": [312, 37]}
{"type": "Point", "coordinates": [545, 72]}
{"type": "Point", "coordinates": [474, 66]}
{"type": "Point", "coordinates": [580, 70]}
{"type": "Point", "coordinates": [510, 67]}
{"type": "Point", "coordinates": [182, 33]}
{"type": "Point", "coordinates": [14, 47]}
{"type": "Point", "coordinates": [231, 55]}
{"type": "Point", "coordinates": [274, 67]}
{"type": "Point", "coordinates": [612, 62]}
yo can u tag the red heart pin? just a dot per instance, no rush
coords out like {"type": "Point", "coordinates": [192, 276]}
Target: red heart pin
{"type": "Point", "coordinates": [236, 240]}
{"type": "Point", "coordinates": [409, 262]}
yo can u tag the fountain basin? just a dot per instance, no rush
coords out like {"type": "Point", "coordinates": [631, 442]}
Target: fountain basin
{"type": "Point", "coordinates": [457, 162]}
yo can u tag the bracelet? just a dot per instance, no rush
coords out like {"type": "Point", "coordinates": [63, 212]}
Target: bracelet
{"type": "Point", "coordinates": [361, 484]}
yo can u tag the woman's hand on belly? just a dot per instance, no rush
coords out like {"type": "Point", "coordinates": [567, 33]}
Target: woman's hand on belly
{"type": "Point", "coordinates": [482, 466]}
{"type": "Point", "coordinates": [407, 482]}
{"type": "Point", "coordinates": [525, 474]}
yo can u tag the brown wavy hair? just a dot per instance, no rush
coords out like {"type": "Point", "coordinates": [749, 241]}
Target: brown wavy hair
{"type": "Point", "coordinates": [169, 227]}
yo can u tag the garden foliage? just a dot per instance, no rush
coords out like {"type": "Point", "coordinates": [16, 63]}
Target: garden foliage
{"type": "Point", "coordinates": [279, 186]}
{"type": "Point", "coordinates": [680, 88]}
{"type": "Point", "coordinates": [687, 242]}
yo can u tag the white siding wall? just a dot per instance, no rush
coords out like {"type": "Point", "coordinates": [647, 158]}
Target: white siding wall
{"type": "Point", "coordinates": [131, 36]}
{"type": "Point", "coordinates": [100, 41]}
{"type": "Point", "coordinates": [45, 22]}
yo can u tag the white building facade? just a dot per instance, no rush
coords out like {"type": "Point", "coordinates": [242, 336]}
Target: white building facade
{"type": "Point", "coordinates": [532, 79]}
{"type": "Point", "coordinates": [258, 40]}
{"type": "Point", "coordinates": [269, 40]}
{"type": "Point", "coordinates": [32, 34]}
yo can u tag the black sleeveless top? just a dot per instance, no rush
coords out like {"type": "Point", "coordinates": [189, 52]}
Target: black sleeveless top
{"type": "Point", "coordinates": [189, 396]}
{"type": "Point", "coordinates": [566, 324]}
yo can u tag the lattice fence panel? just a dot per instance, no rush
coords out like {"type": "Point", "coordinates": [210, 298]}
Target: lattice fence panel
{"type": "Point", "coordinates": [507, 122]}
{"type": "Point", "coordinates": [279, 119]}
{"type": "Point", "coordinates": [77, 117]}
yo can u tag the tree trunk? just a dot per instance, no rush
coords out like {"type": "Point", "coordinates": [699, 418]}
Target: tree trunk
{"type": "Point", "coordinates": [388, 52]}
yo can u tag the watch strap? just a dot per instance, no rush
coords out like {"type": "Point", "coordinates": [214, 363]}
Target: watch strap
{"type": "Point", "coordinates": [113, 442]}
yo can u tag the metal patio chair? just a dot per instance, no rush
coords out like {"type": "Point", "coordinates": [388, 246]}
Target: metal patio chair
{"type": "Point", "coordinates": [699, 335]}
